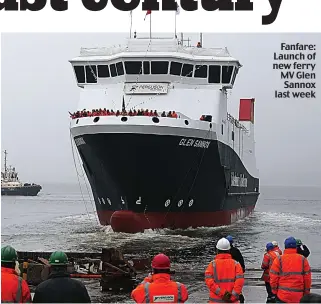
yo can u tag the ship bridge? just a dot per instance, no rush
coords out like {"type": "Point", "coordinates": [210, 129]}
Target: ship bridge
{"type": "Point", "coordinates": [155, 60]}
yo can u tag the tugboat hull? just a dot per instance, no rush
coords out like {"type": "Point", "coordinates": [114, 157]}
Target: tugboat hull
{"type": "Point", "coordinates": [31, 190]}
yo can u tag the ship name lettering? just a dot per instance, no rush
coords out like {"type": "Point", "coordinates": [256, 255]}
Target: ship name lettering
{"type": "Point", "coordinates": [194, 143]}
{"type": "Point", "coordinates": [202, 144]}
{"type": "Point", "coordinates": [186, 142]}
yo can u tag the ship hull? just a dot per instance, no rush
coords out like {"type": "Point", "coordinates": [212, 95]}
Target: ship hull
{"type": "Point", "coordinates": [21, 191]}
{"type": "Point", "coordinates": [149, 181]}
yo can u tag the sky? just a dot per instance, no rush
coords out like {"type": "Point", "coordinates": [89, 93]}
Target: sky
{"type": "Point", "coordinates": [38, 90]}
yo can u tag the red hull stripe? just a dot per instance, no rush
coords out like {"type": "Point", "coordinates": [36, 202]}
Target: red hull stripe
{"type": "Point", "coordinates": [131, 222]}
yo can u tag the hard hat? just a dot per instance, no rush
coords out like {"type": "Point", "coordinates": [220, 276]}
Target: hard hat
{"type": "Point", "coordinates": [223, 244]}
{"type": "Point", "coordinates": [290, 242]}
{"type": "Point", "coordinates": [58, 258]}
{"type": "Point", "coordinates": [275, 243]}
{"type": "Point", "coordinates": [269, 246]}
{"type": "Point", "coordinates": [298, 242]}
{"type": "Point", "coordinates": [161, 261]}
{"type": "Point", "coordinates": [230, 239]}
{"type": "Point", "coordinates": [8, 254]}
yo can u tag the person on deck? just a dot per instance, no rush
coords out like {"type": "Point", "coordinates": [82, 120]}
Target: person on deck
{"type": "Point", "coordinates": [276, 247]}
{"type": "Point", "coordinates": [159, 288]}
{"type": "Point", "coordinates": [268, 259]}
{"type": "Point", "coordinates": [290, 274]}
{"type": "Point", "coordinates": [14, 289]}
{"type": "Point", "coordinates": [60, 288]}
{"type": "Point", "coordinates": [237, 256]}
{"type": "Point", "coordinates": [302, 249]}
{"type": "Point", "coordinates": [224, 276]}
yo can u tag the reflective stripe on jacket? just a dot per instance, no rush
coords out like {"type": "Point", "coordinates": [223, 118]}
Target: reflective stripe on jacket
{"type": "Point", "coordinates": [224, 274]}
{"type": "Point", "coordinates": [267, 263]}
{"type": "Point", "coordinates": [290, 276]}
{"type": "Point", "coordinates": [278, 250]}
{"type": "Point", "coordinates": [13, 288]}
{"type": "Point", "coordinates": [160, 289]}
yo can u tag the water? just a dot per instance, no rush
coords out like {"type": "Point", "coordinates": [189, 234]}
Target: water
{"type": "Point", "coordinates": [63, 218]}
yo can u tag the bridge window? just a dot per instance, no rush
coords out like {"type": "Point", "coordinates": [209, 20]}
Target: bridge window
{"type": "Point", "coordinates": [214, 74]}
{"type": "Point", "coordinates": [232, 135]}
{"type": "Point", "coordinates": [103, 71]}
{"type": "Point", "coordinates": [120, 68]}
{"type": "Point", "coordinates": [160, 67]}
{"type": "Point", "coordinates": [234, 75]}
{"type": "Point", "coordinates": [133, 67]}
{"type": "Point", "coordinates": [227, 73]}
{"type": "Point", "coordinates": [200, 71]}
{"type": "Point", "coordinates": [176, 68]}
{"type": "Point", "coordinates": [113, 71]}
{"type": "Point", "coordinates": [146, 67]}
{"type": "Point", "coordinates": [187, 70]}
{"type": "Point", "coordinates": [80, 73]}
{"type": "Point", "coordinates": [91, 74]}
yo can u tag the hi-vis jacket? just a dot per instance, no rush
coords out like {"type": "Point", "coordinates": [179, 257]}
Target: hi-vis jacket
{"type": "Point", "coordinates": [13, 288]}
{"type": "Point", "coordinates": [160, 289]}
{"type": "Point", "coordinates": [278, 250]}
{"type": "Point", "coordinates": [224, 274]}
{"type": "Point", "coordinates": [290, 276]}
{"type": "Point", "coordinates": [267, 263]}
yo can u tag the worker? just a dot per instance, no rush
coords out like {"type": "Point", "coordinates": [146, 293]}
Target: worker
{"type": "Point", "coordinates": [59, 287]}
{"type": "Point", "coordinates": [236, 253]}
{"type": "Point", "coordinates": [302, 249]}
{"type": "Point", "coordinates": [159, 287]}
{"type": "Point", "coordinates": [268, 259]}
{"type": "Point", "coordinates": [237, 256]}
{"type": "Point", "coordinates": [14, 289]}
{"type": "Point", "coordinates": [290, 274]}
{"type": "Point", "coordinates": [276, 247]}
{"type": "Point", "coordinates": [224, 276]}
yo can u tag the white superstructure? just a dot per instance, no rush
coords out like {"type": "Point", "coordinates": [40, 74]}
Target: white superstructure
{"type": "Point", "coordinates": [162, 75]}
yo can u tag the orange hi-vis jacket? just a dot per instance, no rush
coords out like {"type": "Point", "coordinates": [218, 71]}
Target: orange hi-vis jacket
{"type": "Point", "coordinates": [224, 274]}
{"type": "Point", "coordinates": [13, 288]}
{"type": "Point", "coordinates": [267, 263]}
{"type": "Point", "coordinates": [160, 289]}
{"type": "Point", "coordinates": [290, 276]}
{"type": "Point", "coordinates": [278, 250]}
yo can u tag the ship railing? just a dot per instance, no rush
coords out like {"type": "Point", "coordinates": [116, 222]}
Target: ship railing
{"type": "Point", "coordinates": [235, 122]}
{"type": "Point", "coordinates": [155, 47]}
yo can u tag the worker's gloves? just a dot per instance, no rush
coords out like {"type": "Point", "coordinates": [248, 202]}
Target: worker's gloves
{"type": "Point", "coordinates": [227, 296]}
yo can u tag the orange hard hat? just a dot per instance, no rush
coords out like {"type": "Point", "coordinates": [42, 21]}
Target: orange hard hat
{"type": "Point", "coordinates": [161, 261]}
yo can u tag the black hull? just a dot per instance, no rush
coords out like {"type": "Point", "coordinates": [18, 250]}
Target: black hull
{"type": "Point", "coordinates": [138, 173]}
{"type": "Point", "coordinates": [32, 190]}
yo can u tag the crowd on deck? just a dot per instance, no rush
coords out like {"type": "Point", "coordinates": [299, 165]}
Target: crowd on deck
{"type": "Point", "coordinates": [105, 112]}
{"type": "Point", "coordinates": [287, 277]}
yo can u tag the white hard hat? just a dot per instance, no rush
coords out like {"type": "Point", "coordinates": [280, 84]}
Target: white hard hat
{"type": "Point", "coordinates": [275, 243]}
{"type": "Point", "coordinates": [223, 244]}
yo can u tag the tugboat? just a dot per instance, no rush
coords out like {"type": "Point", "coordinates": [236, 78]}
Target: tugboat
{"type": "Point", "coordinates": [157, 143]}
{"type": "Point", "coordinates": [11, 185]}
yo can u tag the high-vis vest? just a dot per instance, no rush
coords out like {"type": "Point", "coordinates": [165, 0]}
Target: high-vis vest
{"type": "Point", "coordinates": [224, 274]}
{"type": "Point", "coordinates": [278, 250]}
{"type": "Point", "coordinates": [290, 276]}
{"type": "Point", "coordinates": [267, 263]}
{"type": "Point", "coordinates": [160, 289]}
{"type": "Point", "coordinates": [13, 288]}
{"type": "Point", "coordinates": [166, 296]}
